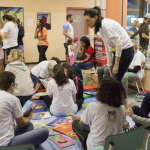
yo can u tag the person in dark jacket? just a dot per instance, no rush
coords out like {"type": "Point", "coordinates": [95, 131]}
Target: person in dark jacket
{"type": "Point", "coordinates": [20, 34]}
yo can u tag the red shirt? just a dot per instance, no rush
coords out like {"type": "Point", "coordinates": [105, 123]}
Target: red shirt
{"type": "Point", "coordinates": [89, 51]}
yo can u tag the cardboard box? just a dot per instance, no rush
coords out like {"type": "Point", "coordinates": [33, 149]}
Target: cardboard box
{"type": "Point", "coordinates": [91, 78]}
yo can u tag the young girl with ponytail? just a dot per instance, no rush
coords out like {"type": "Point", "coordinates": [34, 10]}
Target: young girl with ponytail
{"type": "Point", "coordinates": [115, 39]}
{"type": "Point", "coordinates": [63, 93]}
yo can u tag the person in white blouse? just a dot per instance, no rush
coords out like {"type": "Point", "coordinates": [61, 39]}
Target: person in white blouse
{"type": "Point", "coordinates": [115, 39]}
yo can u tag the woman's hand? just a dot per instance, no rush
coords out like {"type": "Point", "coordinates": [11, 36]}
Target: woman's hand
{"type": "Point", "coordinates": [79, 62]}
{"type": "Point", "coordinates": [130, 112]}
{"type": "Point", "coordinates": [115, 69]}
{"type": "Point", "coordinates": [37, 30]}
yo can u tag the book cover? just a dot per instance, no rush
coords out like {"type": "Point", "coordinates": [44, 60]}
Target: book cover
{"type": "Point", "coordinates": [30, 105]}
{"type": "Point", "coordinates": [61, 141]}
{"type": "Point", "coordinates": [41, 115]}
{"type": "Point", "coordinates": [85, 105]}
{"type": "Point", "coordinates": [39, 106]}
{"type": "Point", "coordinates": [66, 129]}
{"type": "Point", "coordinates": [59, 121]}
{"type": "Point", "coordinates": [38, 125]}
{"type": "Point", "coordinates": [52, 132]}
{"type": "Point", "coordinates": [40, 94]}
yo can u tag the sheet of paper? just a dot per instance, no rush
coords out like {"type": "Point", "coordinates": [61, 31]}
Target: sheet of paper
{"type": "Point", "coordinates": [30, 22]}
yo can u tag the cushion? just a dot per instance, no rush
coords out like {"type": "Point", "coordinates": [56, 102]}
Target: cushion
{"type": "Point", "coordinates": [86, 96]}
{"type": "Point", "coordinates": [44, 90]}
{"type": "Point", "coordinates": [88, 87]}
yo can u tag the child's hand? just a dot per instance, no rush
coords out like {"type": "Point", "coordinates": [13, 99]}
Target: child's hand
{"type": "Point", "coordinates": [130, 112]}
{"type": "Point", "coordinates": [79, 62]}
{"type": "Point", "coordinates": [37, 30]}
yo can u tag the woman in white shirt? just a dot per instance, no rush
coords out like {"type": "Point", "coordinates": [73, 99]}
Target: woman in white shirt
{"type": "Point", "coordinates": [10, 34]}
{"type": "Point", "coordinates": [115, 39]}
{"type": "Point", "coordinates": [63, 93]}
{"type": "Point", "coordinates": [102, 118]}
{"type": "Point", "coordinates": [24, 89]}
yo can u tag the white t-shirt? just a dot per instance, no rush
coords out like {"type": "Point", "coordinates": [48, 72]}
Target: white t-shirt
{"type": "Point", "coordinates": [70, 51]}
{"type": "Point", "coordinates": [68, 27]}
{"type": "Point", "coordinates": [138, 59]}
{"type": "Point", "coordinates": [104, 121]}
{"type": "Point", "coordinates": [10, 108]}
{"type": "Point", "coordinates": [12, 36]}
{"type": "Point", "coordinates": [42, 70]}
{"type": "Point", "coordinates": [62, 103]}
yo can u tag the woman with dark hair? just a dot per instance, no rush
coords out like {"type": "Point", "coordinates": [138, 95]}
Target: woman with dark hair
{"type": "Point", "coordinates": [115, 39]}
{"type": "Point", "coordinates": [71, 74]}
{"type": "Point", "coordinates": [41, 36]}
{"type": "Point", "coordinates": [102, 118]}
{"type": "Point", "coordinates": [9, 34]}
{"type": "Point", "coordinates": [87, 52]}
{"type": "Point", "coordinates": [63, 93]}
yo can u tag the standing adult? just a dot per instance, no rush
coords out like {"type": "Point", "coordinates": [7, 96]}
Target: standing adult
{"type": "Point", "coordinates": [135, 27]}
{"type": "Point", "coordinates": [10, 35]}
{"type": "Point", "coordinates": [113, 35]}
{"type": "Point", "coordinates": [41, 36]}
{"type": "Point", "coordinates": [1, 49]}
{"type": "Point", "coordinates": [68, 32]}
{"type": "Point", "coordinates": [20, 34]}
{"type": "Point", "coordinates": [144, 38]}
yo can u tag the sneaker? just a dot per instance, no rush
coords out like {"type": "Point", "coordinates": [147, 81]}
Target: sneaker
{"type": "Point", "coordinates": [130, 129]}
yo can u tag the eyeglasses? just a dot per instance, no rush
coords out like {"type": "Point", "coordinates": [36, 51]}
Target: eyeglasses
{"type": "Point", "coordinates": [15, 84]}
{"type": "Point", "coordinates": [87, 21]}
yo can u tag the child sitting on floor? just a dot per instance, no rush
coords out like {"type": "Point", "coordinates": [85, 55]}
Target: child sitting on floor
{"type": "Point", "coordinates": [10, 109]}
{"type": "Point", "coordinates": [63, 93]}
{"type": "Point", "coordinates": [105, 117]}
{"type": "Point", "coordinates": [71, 47]}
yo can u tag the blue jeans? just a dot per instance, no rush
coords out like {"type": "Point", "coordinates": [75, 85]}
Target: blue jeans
{"type": "Point", "coordinates": [125, 60]}
{"type": "Point", "coordinates": [78, 67]}
{"type": "Point", "coordinates": [144, 110]}
{"type": "Point", "coordinates": [34, 80]}
{"type": "Point", "coordinates": [27, 135]}
{"type": "Point", "coordinates": [20, 47]}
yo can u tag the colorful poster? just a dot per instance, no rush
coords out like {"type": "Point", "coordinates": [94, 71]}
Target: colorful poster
{"type": "Point", "coordinates": [100, 53]}
{"type": "Point", "coordinates": [61, 141]}
{"type": "Point", "coordinates": [13, 11]}
{"type": "Point", "coordinates": [46, 17]}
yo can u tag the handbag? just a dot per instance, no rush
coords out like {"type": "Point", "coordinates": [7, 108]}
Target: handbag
{"type": "Point", "coordinates": [79, 57]}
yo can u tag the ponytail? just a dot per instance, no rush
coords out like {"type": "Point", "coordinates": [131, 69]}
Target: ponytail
{"type": "Point", "coordinates": [59, 75]}
{"type": "Point", "coordinates": [92, 12]}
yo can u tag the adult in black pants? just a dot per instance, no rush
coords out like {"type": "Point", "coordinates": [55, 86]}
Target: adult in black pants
{"type": "Point", "coordinates": [10, 35]}
{"type": "Point", "coordinates": [41, 36]}
{"type": "Point", "coordinates": [137, 112]}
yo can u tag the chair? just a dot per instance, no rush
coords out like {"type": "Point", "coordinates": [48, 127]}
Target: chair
{"type": "Point", "coordinates": [132, 140]}
{"type": "Point", "coordinates": [19, 147]}
{"type": "Point", "coordinates": [142, 68]}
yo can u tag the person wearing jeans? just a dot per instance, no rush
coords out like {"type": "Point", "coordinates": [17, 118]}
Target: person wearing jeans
{"type": "Point", "coordinates": [140, 114]}
{"type": "Point", "coordinates": [102, 72]}
{"type": "Point", "coordinates": [10, 109]}
{"type": "Point", "coordinates": [41, 36]}
{"type": "Point", "coordinates": [87, 53]}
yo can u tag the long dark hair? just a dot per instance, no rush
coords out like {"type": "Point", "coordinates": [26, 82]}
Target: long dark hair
{"type": "Point", "coordinates": [42, 24]}
{"type": "Point", "coordinates": [59, 75]}
{"type": "Point", "coordinates": [86, 40]}
{"type": "Point", "coordinates": [110, 92]}
{"type": "Point", "coordinates": [92, 12]}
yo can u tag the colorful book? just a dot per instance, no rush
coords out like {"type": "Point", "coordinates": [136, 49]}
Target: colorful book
{"type": "Point", "coordinates": [39, 125]}
{"type": "Point", "coordinates": [41, 115]}
{"type": "Point", "coordinates": [52, 132]}
{"type": "Point", "coordinates": [61, 141]}
{"type": "Point", "coordinates": [59, 121]}
{"type": "Point", "coordinates": [28, 107]}
{"type": "Point", "coordinates": [66, 129]}
{"type": "Point", "coordinates": [40, 94]}
{"type": "Point", "coordinates": [85, 105]}
{"type": "Point", "coordinates": [39, 106]}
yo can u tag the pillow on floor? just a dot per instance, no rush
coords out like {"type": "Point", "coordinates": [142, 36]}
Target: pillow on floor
{"type": "Point", "coordinates": [86, 96]}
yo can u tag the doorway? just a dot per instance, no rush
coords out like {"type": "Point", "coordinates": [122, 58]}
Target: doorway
{"type": "Point", "coordinates": [79, 26]}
